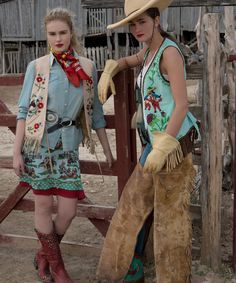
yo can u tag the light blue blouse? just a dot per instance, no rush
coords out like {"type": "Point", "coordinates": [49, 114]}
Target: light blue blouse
{"type": "Point", "coordinates": [63, 98]}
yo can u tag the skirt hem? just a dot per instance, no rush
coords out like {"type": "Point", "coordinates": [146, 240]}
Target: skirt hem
{"type": "Point", "coordinates": [79, 194]}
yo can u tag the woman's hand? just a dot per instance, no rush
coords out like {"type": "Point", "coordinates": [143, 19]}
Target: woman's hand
{"type": "Point", "coordinates": [18, 164]}
{"type": "Point", "coordinates": [109, 158]}
{"type": "Point", "coordinates": [101, 133]}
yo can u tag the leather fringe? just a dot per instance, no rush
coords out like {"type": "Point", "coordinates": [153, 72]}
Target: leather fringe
{"type": "Point", "coordinates": [90, 144]}
{"type": "Point", "coordinates": [31, 145]}
{"type": "Point", "coordinates": [174, 158]}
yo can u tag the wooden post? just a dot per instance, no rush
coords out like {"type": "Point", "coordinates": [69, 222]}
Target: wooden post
{"type": "Point", "coordinates": [230, 43]}
{"type": "Point", "coordinates": [116, 42]}
{"type": "Point", "coordinates": [211, 144]}
{"type": "Point", "coordinates": [234, 219]}
{"type": "Point", "coordinates": [125, 137]}
{"type": "Point", "coordinates": [3, 59]}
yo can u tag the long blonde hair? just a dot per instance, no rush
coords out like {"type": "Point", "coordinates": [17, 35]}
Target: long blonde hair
{"type": "Point", "coordinates": [64, 15]}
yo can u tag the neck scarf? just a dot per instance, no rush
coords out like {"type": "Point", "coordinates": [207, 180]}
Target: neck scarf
{"type": "Point", "coordinates": [71, 66]}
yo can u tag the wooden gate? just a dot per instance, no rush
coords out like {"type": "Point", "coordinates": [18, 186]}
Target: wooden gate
{"type": "Point", "coordinates": [124, 108]}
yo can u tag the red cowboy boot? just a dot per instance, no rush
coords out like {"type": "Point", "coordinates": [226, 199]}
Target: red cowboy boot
{"type": "Point", "coordinates": [41, 264]}
{"type": "Point", "coordinates": [52, 251]}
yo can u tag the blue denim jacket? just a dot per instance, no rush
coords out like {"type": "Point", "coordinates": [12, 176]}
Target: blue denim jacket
{"type": "Point", "coordinates": [64, 99]}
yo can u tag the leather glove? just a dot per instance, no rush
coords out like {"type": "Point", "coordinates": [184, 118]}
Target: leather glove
{"type": "Point", "coordinates": [110, 70]}
{"type": "Point", "coordinates": [166, 151]}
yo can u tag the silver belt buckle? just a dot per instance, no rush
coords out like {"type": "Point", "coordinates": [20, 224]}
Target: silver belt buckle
{"type": "Point", "coordinates": [51, 117]}
{"type": "Point", "coordinates": [66, 120]}
{"type": "Point", "coordinates": [68, 124]}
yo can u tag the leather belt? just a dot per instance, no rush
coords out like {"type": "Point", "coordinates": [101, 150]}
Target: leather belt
{"type": "Point", "coordinates": [61, 124]}
{"type": "Point", "coordinates": [187, 141]}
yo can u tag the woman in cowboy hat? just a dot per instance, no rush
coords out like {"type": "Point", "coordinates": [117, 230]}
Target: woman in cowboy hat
{"type": "Point", "coordinates": [162, 180]}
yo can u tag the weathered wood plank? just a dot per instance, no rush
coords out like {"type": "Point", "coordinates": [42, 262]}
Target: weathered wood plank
{"type": "Point", "coordinates": [9, 203]}
{"type": "Point", "coordinates": [92, 211]}
{"type": "Point", "coordinates": [212, 143]}
{"type": "Point", "coordinates": [28, 242]}
{"type": "Point", "coordinates": [4, 110]}
{"type": "Point", "coordinates": [194, 72]}
{"type": "Point", "coordinates": [197, 160]}
{"type": "Point", "coordinates": [7, 120]}
{"type": "Point", "coordinates": [83, 210]}
{"type": "Point", "coordinates": [196, 110]}
{"type": "Point", "coordinates": [230, 43]}
{"type": "Point", "coordinates": [175, 3]}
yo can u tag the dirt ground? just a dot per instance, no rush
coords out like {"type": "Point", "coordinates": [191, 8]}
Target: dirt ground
{"type": "Point", "coordinates": [16, 260]}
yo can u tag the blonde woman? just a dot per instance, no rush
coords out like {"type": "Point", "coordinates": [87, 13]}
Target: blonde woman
{"type": "Point", "coordinates": [58, 88]}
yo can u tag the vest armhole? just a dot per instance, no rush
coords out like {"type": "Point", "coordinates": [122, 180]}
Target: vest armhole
{"type": "Point", "coordinates": [160, 58]}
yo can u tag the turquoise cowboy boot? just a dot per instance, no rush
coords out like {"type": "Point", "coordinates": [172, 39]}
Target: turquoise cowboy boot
{"type": "Point", "coordinates": [135, 273]}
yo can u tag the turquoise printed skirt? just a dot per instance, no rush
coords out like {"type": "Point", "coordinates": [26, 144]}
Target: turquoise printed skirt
{"type": "Point", "coordinates": [54, 173]}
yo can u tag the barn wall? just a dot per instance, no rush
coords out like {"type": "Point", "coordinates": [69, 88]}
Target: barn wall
{"type": "Point", "coordinates": [41, 8]}
{"type": "Point", "coordinates": [16, 20]}
{"type": "Point", "coordinates": [23, 19]}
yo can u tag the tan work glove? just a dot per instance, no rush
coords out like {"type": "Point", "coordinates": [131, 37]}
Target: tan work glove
{"type": "Point", "coordinates": [110, 70]}
{"type": "Point", "coordinates": [166, 151]}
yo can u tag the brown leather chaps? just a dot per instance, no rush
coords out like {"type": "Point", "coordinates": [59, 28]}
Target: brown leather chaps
{"type": "Point", "coordinates": [168, 194]}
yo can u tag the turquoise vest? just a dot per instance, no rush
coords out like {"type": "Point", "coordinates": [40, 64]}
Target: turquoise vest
{"type": "Point", "coordinates": [158, 100]}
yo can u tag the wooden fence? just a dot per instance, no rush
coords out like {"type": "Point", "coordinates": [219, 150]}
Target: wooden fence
{"type": "Point", "coordinates": [17, 57]}
{"type": "Point", "coordinates": [96, 21]}
{"type": "Point", "coordinates": [122, 168]}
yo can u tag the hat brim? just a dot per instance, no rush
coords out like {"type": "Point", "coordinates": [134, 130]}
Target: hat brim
{"type": "Point", "coordinates": [161, 5]}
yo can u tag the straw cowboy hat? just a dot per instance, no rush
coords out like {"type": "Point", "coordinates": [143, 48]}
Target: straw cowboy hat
{"type": "Point", "coordinates": [134, 8]}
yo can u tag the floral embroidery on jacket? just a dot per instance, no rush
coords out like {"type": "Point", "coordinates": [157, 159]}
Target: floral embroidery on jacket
{"type": "Point", "coordinates": [156, 117]}
{"type": "Point", "coordinates": [153, 99]}
{"type": "Point", "coordinates": [36, 105]}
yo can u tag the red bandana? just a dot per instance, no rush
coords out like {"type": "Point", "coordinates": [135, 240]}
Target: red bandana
{"type": "Point", "coordinates": [72, 67]}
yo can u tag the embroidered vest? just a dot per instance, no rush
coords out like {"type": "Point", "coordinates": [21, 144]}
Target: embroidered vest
{"type": "Point", "coordinates": [158, 101]}
{"type": "Point", "coordinates": [36, 117]}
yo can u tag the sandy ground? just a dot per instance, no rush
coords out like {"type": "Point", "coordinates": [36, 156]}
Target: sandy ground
{"type": "Point", "coordinates": [16, 260]}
